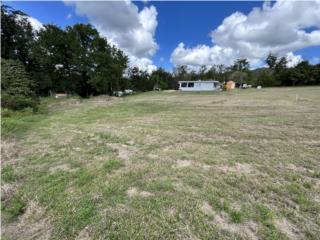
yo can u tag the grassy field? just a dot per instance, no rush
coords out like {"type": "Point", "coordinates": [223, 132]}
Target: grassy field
{"type": "Point", "coordinates": [230, 165]}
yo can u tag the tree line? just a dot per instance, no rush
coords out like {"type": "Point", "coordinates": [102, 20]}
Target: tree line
{"type": "Point", "coordinates": [275, 73]}
{"type": "Point", "coordinates": [75, 60]}
{"type": "Point", "coordinates": [78, 60]}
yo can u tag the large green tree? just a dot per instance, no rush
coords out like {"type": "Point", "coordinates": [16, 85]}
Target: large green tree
{"type": "Point", "coordinates": [241, 65]}
{"type": "Point", "coordinates": [302, 74]}
{"type": "Point", "coordinates": [239, 70]}
{"type": "Point", "coordinates": [77, 61]}
{"type": "Point", "coordinates": [163, 79]}
{"type": "Point", "coordinates": [140, 80]}
{"type": "Point", "coordinates": [17, 88]}
{"type": "Point", "coordinates": [271, 61]}
{"type": "Point", "coordinates": [52, 54]}
{"type": "Point", "coordinates": [97, 67]}
{"type": "Point", "coordinates": [17, 35]}
{"type": "Point", "coordinates": [182, 73]}
{"type": "Point", "coordinates": [108, 68]}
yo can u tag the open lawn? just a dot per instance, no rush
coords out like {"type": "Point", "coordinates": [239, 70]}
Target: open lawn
{"type": "Point", "coordinates": [226, 165]}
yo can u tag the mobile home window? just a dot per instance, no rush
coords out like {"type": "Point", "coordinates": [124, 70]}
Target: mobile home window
{"type": "Point", "coordinates": [190, 84]}
{"type": "Point", "coordinates": [184, 84]}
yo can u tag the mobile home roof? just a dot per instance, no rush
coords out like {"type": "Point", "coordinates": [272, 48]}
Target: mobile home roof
{"type": "Point", "coordinates": [199, 81]}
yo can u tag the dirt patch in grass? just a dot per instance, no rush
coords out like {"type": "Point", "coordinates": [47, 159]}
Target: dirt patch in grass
{"type": "Point", "coordinates": [145, 194]}
{"type": "Point", "coordinates": [152, 156]}
{"type": "Point", "coordinates": [131, 192]}
{"type": "Point", "coordinates": [221, 220]}
{"type": "Point", "coordinates": [172, 211]}
{"type": "Point", "coordinates": [7, 191]}
{"type": "Point", "coordinates": [62, 167]}
{"type": "Point", "coordinates": [31, 225]}
{"type": "Point", "coordinates": [287, 228]}
{"type": "Point", "coordinates": [10, 151]}
{"type": "Point", "coordinates": [130, 142]}
{"type": "Point", "coordinates": [293, 167]}
{"type": "Point", "coordinates": [241, 168]}
{"type": "Point", "coordinates": [118, 210]}
{"type": "Point", "coordinates": [124, 152]}
{"type": "Point", "coordinates": [190, 163]}
{"type": "Point", "coordinates": [247, 230]}
{"type": "Point", "coordinates": [179, 186]}
{"type": "Point", "coordinates": [204, 166]}
{"type": "Point", "coordinates": [207, 209]}
{"type": "Point", "coordinates": [183, 163]}
{"type": "Point", "coordinates": [85, 234]}
{"type": "Point", "coordinates": [135, 192]}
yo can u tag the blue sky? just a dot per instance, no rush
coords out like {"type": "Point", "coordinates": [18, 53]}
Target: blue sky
{"type": "Point", "coordinates": [189, 23]}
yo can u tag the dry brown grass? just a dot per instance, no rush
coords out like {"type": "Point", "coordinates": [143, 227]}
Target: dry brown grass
{"type": "Point", "coordinates": [234, 165]}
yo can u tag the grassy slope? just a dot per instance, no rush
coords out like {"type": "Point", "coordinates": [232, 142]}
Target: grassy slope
{"type": "Point", "coordinates": [239, 165]}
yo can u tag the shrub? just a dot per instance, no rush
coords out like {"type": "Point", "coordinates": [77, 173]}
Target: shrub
{"type": "Point", "coordinates": [16, 86]}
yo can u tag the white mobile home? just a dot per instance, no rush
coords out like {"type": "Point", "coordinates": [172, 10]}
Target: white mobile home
{"type": "Point", "coordinates": [199, 85]}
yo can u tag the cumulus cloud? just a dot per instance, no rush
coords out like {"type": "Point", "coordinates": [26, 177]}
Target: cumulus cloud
{"type": "Point", "coordinates": [125, 26]}
{"type": "Point", "coordinates": [35, 23]}
{"type": "Point", "coordinates": [281, 28]}
{"type": "Point", "coordinates": [202, 55]}
{"type": "Point", "coordinates": [143, 63]}
{"type": "Point", "coordinates": [293, 60]}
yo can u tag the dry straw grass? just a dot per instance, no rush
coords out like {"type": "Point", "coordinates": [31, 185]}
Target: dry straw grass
{"type": "Point", "coordinates": [234, 165]}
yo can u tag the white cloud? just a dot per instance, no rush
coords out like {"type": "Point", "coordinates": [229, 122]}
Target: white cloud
{"type": "Point", "coordinates": [35, 23]}
{"type": "Point", "coordinates": [279, 28]}
{"type": "Point", "coordinates": [293, 60]}
{"type": "Point", "coordinates": [125, 26]}
{"type": "Point", "coordinates": [142, 63]}
{"type": "Point", "coordinates": [69, 16]}
{"type": "Point", "coordinates": [202, 55]}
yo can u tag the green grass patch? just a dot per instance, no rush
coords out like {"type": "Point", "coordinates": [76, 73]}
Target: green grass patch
{"type": "Point", "coordinates": [161, 185]}
{"type": "Point", "coordinates": [264, 214]}
{"type": "Point", "coordinates": [111, 165]}
{"type": "Point", "coordinates": [8, 174]}
{"type": "Point", "coordinates": [219, 203]}
{"type": "Point", "coordinates": [73, 216]}
{"type": "Point", "coordinates": [13, 207]}
{"type": "Point", "coordinates": [236, 216]}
